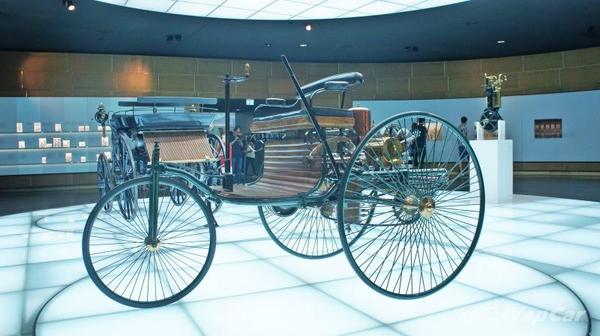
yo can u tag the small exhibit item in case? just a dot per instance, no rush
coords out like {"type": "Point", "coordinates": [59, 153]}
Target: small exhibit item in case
{"type": "Point", "coordinates": [81, 143]}
{"type": "Point", "coordinates": [21, 144]}
{"type": "Point", "coordinates": [80, 128]}
{"type": "Point", "coordinates": [48, 145]}
{"type": "Point", "coordinates": [104, 141]}
{"type": "Point", "coordinates": [66, 143]}
{"type": "Point", "coordinates": [44, 160]}
{"type": "Point", "coordinates": [57, 127]}
{"type": "Point", "coordinates": [107, 155]}
{"type": "Point", "coordinates": [56, 142]}
{"type": "Point", "coordinates": [19, 127]}
{"type": "Point", "coordinates": [42, 142]}
{"type": "Point", "coordinates": [97, 157]}
{"type": "Point", "coordinates": [83, 159]}
{"type": "Point", "coordinates": [100, 128]}
{"type": "Point", "coordinates": [86, 128]}
{"type": "Point", "coordinates": [37, 127]}
{"type": "Point", "coordinates": [68, 157]}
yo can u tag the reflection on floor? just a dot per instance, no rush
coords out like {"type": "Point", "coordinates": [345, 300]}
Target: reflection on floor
{"type": "Point", "coordinates": [534, 255]}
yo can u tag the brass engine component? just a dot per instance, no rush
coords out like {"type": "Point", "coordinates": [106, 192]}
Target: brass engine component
{"type": "Point", "coordinates": [410, 205]}
{"type": "Point", "coordinates": [427, 207]}
{"type": "Point", "coordinates": [341, 146]}
{"type": "Point", "coordinates": [388, 150]}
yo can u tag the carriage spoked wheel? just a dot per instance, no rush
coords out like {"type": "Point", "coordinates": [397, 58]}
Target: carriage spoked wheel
{"type": "Point", "coordinates": [307, 232]}
{"type": "Point", "coordinates": [196, 169]}
{"type": "Point", "coordinates": [104, 178]}
{"type": "Point", "coordinates": [143, 265]}
{"type": "Point", "coordinates": [215, 169]}
{"type": "Point", "coordinates": [428, 199]}
{"type": "Point", "coordinates": [125, 170]}
{"type": "Point", "coordinates": [177, 196]}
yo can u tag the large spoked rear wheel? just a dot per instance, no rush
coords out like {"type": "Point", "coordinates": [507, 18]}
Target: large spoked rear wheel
{"type": "Point", "coordinates": [125, 170]}
{"type": "Point", "coordinates": [426, 187]}
{"type": "Point", "coordinates": [104, 178]}
{"type": "Point", "coordinates": [129, 269]}
{"type": "Point", "coordinates": [197, 170]}
{"type": "Point", "coordinates": [307, 232]}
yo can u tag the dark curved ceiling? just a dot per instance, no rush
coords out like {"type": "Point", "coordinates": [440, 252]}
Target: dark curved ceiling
{"type": "Point", "coordinates": [462, 31]}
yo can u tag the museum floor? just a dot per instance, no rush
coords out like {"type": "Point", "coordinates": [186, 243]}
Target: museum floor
{"type": "Point", "coordinates": [536, 272]}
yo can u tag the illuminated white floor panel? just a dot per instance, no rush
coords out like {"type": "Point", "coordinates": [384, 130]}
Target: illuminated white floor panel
{"type": "Point", "coordinates": [256, 288]}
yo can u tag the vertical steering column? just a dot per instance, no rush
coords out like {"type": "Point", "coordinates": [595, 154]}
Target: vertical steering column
{"type": "Point", "coordinates": [152, 239]}
{"type": "Point", "coordinates": [228, 178]}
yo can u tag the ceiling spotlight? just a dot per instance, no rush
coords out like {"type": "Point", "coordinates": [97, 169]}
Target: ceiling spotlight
{"type": "Point", "coordinates": [500, 41]}
{"type": "Point", "coordinates": [268, 45]}
{"type": "Point", "coordinates": [69, 4]}
{"type": "Point", "coordinates": [303, 45]}
{"type": "Point", "coordinates": [308, 27]}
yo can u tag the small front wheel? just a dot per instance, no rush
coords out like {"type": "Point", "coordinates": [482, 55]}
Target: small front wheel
{"type": "Point", "coordinates": [132, 269]}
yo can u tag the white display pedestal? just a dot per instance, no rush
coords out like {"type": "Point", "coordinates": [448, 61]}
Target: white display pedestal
{"type": "Point", "coordinates": [496, 160]}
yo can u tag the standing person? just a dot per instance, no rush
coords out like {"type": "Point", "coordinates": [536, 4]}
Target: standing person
{"type": "Point", "coordinates": [420, 147]}
{"type": "Point", "coordinates": [462, 151]}
{"type": "Point", "coordinates": [250, 152]}
{"type": "Point", "coordinates": [237, 155]}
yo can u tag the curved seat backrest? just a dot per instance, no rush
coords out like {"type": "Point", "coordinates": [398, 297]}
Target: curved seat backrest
{"type": "Point", "coordinates": [352, 78]}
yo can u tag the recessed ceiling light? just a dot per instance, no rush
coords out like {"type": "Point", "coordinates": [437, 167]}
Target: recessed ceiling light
{"type": "Point", "coordinates": [308, 27]}
{"type": "Point", "coordinates": [69, 4]}
{"type": "Point", "coordinates": [501, 41]}
{"type": "Point", "coordinates": [303, 45]}
{"type": "Point", "coordinates": [268, 45]}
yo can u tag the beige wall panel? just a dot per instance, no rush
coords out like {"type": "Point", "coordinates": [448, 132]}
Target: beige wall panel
{"type": "Point", "coordinates": [543, 61]}
{"type": "Point", "coordinates": [428, 69]}
{"type": "Point", "coordinates": [174, 65]}
{"type": "Point", "coordinates": [463, 68]}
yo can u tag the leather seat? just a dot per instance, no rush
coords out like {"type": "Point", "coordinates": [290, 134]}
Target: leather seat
{"type": "Point", "coordinates": [283, 118]}
{"type": "Point", "coordinates": [352, 78]}
{"type": "Point", "coordinates": [280, 117]}
{"type": "Point", "coordinates": [287, 113]}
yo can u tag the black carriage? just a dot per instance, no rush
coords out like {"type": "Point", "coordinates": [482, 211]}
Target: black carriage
{"type": "Point", "coordinates": [184, 134]}
{"type": "Point", "coordinates": [406, 212]}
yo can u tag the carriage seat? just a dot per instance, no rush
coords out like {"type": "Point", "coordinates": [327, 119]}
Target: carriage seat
{"type": "Point", "coordinates": [275, 116]}
{"type": "Point", "coordinates": [279, 118]}
{"type": "Point", "coordinates": [350, 78]}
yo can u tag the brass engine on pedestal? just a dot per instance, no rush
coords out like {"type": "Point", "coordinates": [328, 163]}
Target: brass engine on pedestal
{"type": "Point", "coordinates": [491, 115]}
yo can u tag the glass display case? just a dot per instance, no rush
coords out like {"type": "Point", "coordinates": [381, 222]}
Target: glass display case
{"type": "Point", "coordinates": [47, 135]}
